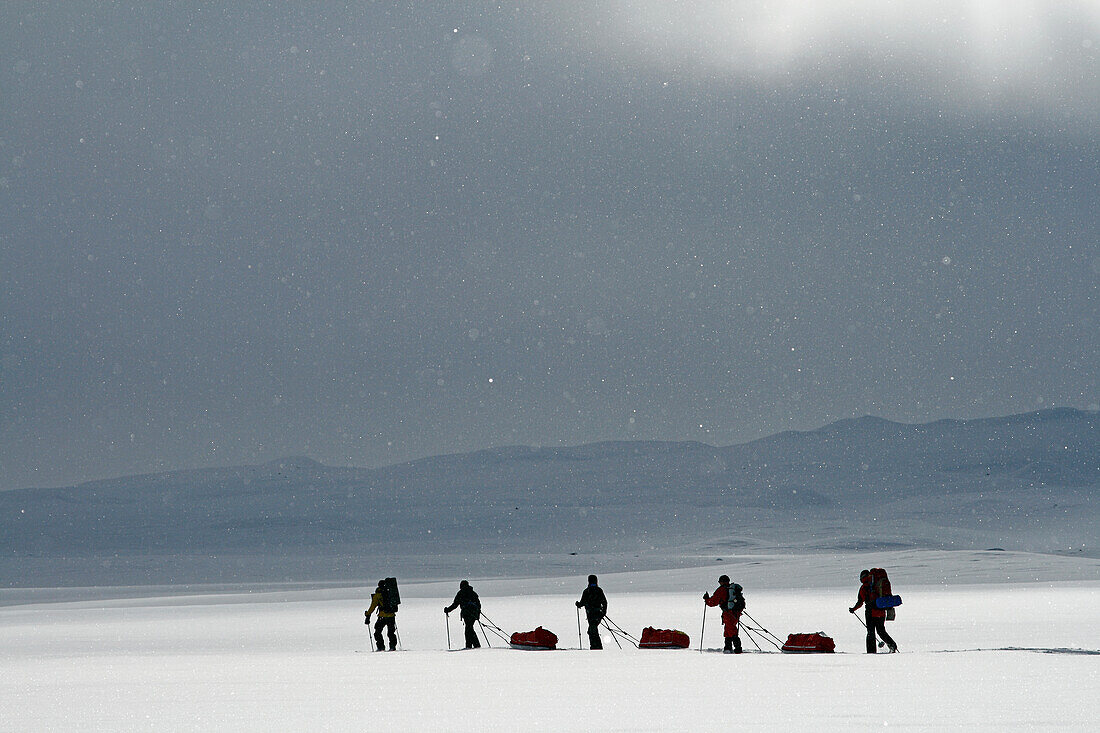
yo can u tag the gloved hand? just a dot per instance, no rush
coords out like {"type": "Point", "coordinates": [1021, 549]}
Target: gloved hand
{"type": "Point", "coordinates": [851, 610]}
{"type": "Point", "coordinates": [706, 596]}
{"type": "Point", "coordinates": [446, 612]}
{"type": "Point", "coordinates": [367, 619]}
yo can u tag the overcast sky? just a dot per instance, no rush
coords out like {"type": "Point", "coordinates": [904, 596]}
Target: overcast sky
{"type": "Point", "coordinates": [368, 232]}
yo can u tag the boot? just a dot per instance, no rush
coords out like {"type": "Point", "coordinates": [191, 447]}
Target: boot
{"type": "Point", "coordinates": [737, 645]}
{"type": "Point", "coordinates": [728, 648]}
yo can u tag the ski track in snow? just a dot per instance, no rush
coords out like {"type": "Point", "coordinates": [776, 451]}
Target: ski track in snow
{"type": "Point", "coordinates": [302, 660]}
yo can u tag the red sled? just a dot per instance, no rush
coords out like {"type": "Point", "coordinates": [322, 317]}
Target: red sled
{"type": "Point", "coordinates": [809, 644]}
{"type": "Point", "coordinates": [540, 638]}
{"type": "Point", "coordinates": [663, 639]}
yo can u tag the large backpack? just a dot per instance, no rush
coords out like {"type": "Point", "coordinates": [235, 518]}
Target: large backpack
{"type": "Point", "coordinates": [391, 597]}
{"type": "Point", "coordinates": [735, 600]}
{"type": "Point", "coordinates": [880, 583]}
{"type": "Point", "coordinates": [882, 595]}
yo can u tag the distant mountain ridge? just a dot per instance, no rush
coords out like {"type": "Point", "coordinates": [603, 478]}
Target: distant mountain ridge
{"type": "Point", "coordinates": [1026, 481]}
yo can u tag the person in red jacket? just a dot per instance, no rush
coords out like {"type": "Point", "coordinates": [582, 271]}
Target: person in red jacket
{"type": "Point", "coordinates": [876, 617]}
{"type": "Point", "coordinates": [729, 598]}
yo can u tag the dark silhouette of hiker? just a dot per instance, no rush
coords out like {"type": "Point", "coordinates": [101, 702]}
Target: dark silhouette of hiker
{"type": "Point", "coordinates": [594, 603]}
{"type": "Point", "coordinates": [387, 619]}
{"type": "Point", "coordinates": [731, 613]}
{"type": "Point", "coordinates": [876, 617]}
{"type": "Point", "coordinates": [467, 600]}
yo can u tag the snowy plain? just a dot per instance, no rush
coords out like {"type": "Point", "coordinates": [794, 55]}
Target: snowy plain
{"type": "Point", "coordinates": [232, 599]}
{"type": "Point", "coordinates": [990, 641]}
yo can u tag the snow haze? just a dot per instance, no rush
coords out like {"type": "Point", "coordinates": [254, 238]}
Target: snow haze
{"type": "Point", "coordinates": [371, 233]}
{"type": "Point", "coordinates": [1022, 483]}
{"type": "Point", "coordinates": [297, 296]}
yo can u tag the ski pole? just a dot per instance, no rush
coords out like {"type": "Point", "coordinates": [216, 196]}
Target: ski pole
{"type": "Point", "coordinates": [487, 642]}
{"type": "Point", "coordinates": [448, 616]}
{"type": "Point", "coordinates": [580, 645]}
{"type": "Point", "coordinates": [482, 620]}
{"type": "Point", "coordinates": [614, 628]}
{"type": "Point", "coordinates": [777, 644]}
{"type": "Point", "coordinates": [881, 643]}
{"type": "Point", "coordinates": [612, 632]}
{"type": "Point", "coordinates": [749, 634]}
{"type": "Point", "coordinates": [701, 628]}
{"type": "Point", "coordinates": [765, 634]}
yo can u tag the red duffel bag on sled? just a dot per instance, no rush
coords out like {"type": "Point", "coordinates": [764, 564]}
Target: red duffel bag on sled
{"type": "Point", "coordinates": [809, 644]}
{"type": "Point", "coordinates": [540, 638]}
{"type": "Point", "coordinates": [663, 639]}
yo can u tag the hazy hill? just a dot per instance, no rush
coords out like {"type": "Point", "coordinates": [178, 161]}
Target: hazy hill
{"type": "Point", "coordinates": [1021, 482]}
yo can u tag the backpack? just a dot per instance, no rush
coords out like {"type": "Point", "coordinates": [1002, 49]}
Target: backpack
{"type": "Point", "coordinates": [735, 600]}
{"type": "Point", "coordinates": [880, 583]}
{"type": "Point", "coordinates": [471, 609]}
{"type": "Point", "coordinates": [391, 597]}
{"type": "Point", "coordinates": [882, 595]}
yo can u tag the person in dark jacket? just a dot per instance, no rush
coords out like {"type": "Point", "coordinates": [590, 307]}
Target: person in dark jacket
{"type": "Point", "coordinates": [594, 603]}
{"type": "Point", "coordinates": [876, 617]}
{"type": "Point", "coordinates": [466, 599]}
{"type": "Point", "coordinates": [732, 602]}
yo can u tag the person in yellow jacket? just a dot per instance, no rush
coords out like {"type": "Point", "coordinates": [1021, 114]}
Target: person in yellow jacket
{"type": "Point", "coordinates": [387, 619]}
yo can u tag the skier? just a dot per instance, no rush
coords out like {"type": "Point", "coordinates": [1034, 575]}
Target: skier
{"type": "Point", "coordinates": [595, 607]}
{"type": "Point", "coordinates": [732, 602]}
{"type": "Point", "coordinates": [876, 617]}
{"type": "Point", "coordinates": [467, 600]}
{"type": "Point", "coordinates": [387, 616]}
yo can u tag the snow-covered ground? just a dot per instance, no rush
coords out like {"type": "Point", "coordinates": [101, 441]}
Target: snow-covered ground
{"type": "Point", "coordinates": [983, 648]}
